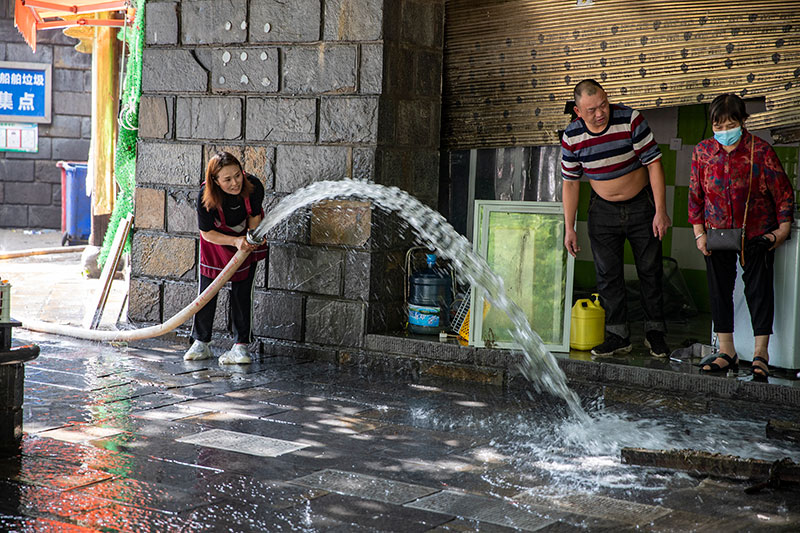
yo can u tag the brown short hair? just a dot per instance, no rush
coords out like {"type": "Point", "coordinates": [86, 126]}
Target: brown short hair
{"type": "Point", "coordinates": [727, 106]}
{"type": "Point", "coordinates": [212, 194]}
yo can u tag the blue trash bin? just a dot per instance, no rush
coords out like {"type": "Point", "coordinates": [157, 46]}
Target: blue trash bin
{"type": "Point", "coordinates": [76, 205]}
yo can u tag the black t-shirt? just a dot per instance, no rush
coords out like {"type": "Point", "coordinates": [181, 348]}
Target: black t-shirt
{"type": "Point", "coordinates": [232, 207]}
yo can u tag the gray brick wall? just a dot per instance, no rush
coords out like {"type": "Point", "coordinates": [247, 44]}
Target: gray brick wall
{"type": "Point", "coordinates": [300, 91]}
{"type": "Point", "coordinates": [30, 183]}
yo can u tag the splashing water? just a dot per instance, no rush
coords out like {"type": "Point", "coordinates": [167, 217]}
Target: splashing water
{"type": "Point", "coordinates": [537, 364]}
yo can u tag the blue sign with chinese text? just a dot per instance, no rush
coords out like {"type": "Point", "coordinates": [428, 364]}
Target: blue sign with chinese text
{"type": "Point", "coordinates": [24, 92]}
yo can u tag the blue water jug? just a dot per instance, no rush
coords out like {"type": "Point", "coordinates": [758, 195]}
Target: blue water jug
{"type": "Point", "coordinates": [430, 295]}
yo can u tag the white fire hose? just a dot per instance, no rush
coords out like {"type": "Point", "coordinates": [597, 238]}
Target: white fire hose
{"type": "Point", "coordinates": [41, 251]}
{"type": "Point", "coordinates": [254, 237]}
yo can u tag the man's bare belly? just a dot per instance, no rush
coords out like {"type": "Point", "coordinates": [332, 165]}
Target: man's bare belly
{"type": "Point", "coordinates": [622, 188]}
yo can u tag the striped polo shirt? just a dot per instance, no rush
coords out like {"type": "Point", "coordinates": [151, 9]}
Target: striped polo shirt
{"type": "Point", "coordinates": [625, 145]}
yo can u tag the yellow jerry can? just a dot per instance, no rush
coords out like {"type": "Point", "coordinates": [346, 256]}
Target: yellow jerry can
{"type": "Point", "coordinates": [587, 326]}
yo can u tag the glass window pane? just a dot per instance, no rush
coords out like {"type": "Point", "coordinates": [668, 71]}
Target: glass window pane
{"type": "Point", "coordinates": [526, 250]}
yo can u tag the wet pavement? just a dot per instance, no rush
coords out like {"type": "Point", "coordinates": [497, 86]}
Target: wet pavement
{"type": "Point", "coordinates": [54, 288]}
{"type": "Point", "coordinates": [131, 438]}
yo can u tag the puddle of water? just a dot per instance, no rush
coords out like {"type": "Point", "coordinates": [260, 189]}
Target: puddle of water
{"type": "Point", "coordinates": [579, 456]}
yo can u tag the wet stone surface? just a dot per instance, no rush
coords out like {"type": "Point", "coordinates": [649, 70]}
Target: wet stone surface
{"type": "Point", "coordinates": [131, 438]}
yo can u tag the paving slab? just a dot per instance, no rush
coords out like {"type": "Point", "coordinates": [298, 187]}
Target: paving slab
{"type": "Point", "coordinates": [21, 499]}
{"type": "Point", "coordinates": [483, 509]}
{"type": "Point", "coordinates": [117, 517]}
{"type": "Point", "coordinates": [51, 473]}
{"type": "Point", "coordinates": [596, 506]}
{"type": "Point", "coordinates": [147, 495]}
{"type": "Point", "coordinates": [375, 515]}
{"type": "Point", "coordinates": [364, 486]}
{"type": "Point", "coordinates": [245, 516]}
{"type": "Point", "coordinates": [242, 443]}
{"type": "Point", "coordinates": [275, 495]}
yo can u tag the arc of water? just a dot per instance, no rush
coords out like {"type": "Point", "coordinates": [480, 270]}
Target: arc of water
{"type": "Point", "coordinates": [538, 365]}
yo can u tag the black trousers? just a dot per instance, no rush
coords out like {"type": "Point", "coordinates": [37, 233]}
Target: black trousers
{"type": "Point", "coordinates": [241, 297]}
{"type": "Point", "coordinates": [610, 224]}
{"type": "Point", "coordinates": [758, 289]}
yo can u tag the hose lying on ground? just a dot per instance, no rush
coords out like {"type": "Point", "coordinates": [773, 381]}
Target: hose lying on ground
{"type": "Point", "coordinates": [153, 331]}
{"type": "Point", "coordinates": [41, 251]}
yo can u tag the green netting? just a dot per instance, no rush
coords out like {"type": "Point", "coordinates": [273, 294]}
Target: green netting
{"type": "Point", "coordinates": [125, 155]}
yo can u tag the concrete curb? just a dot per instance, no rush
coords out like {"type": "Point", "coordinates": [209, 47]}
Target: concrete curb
{"type": "Point", "coordinates": [680, 383]}
{"type": "Point", "coordinates": [666, 381]}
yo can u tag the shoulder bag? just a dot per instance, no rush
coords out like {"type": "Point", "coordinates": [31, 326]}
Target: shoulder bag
{"type": "Point", "coordinates": [732, 239]}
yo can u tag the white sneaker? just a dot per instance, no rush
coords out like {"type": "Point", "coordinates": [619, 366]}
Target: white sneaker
{"type": "Point", "coordinates": [235, 356]}
{"type": "Point", "coordinates": [198, 351]}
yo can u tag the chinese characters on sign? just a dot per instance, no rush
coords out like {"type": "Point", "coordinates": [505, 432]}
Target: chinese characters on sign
{"type": "Point", "coordinates": [22, 92]}
{"type": "Point", "coordinates": [25, 100]}
{"type": "Point", "coordinates": [24, 104]}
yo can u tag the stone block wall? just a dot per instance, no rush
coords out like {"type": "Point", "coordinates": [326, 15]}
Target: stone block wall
{"type": "Point", "coordinates": [30, 183]}
{"type": "Point", "coordinates": [411, 103]}
{"type": "Point", "coordinates": [301, 92]}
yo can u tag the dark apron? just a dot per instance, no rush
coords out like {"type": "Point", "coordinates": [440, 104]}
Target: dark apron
{"type": "Point", "coordinates": [214, 257]}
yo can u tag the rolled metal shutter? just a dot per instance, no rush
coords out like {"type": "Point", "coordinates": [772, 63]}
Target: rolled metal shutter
{"type": "Point", "coordinates": [510, 65]}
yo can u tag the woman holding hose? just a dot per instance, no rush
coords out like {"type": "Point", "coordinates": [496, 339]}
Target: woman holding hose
{"type": "Point", "coordinates": [229, 204]}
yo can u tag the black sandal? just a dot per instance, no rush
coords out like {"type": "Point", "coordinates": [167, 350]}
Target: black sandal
{"type": "Point", "coordinates": [758, 373]}
{"type": "Point", "coordinates": [733, 364]}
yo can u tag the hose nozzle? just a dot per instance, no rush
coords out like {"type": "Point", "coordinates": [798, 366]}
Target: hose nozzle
{"type": "Point", "coordinates": [252, 237]}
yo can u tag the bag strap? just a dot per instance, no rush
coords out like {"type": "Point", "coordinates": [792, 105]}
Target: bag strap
{"type": "Point", "coordinates": [749, 190]}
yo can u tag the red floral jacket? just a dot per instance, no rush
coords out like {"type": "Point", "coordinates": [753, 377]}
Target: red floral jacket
{"type": "Point", "coordinates": [718, 187]}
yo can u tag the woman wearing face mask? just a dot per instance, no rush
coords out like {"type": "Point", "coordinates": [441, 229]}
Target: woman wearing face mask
{"type": "Point", "coordinates": [228, 205]}
{"type": "Point", "coordinates": [721, 188]}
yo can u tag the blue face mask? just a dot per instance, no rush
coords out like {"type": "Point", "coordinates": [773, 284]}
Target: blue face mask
{"type": "Point", "coordinates": [728, 137]}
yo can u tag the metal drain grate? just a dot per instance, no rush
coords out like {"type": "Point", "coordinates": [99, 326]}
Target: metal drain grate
{"type": "Point", "coordinates": [597, 506]}
{"type": "Point", "coordinates": [243, 443]}
{"type": "Point", "coordinates": [364, 486]}
{"type": "Point", "coordinates": [488, 510]}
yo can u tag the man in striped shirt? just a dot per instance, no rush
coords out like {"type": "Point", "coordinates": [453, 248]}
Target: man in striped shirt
{"type": "Point", "coordinates": [613, 146]}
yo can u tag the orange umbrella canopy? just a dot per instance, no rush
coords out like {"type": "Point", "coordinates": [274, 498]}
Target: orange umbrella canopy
{"type": "Point", "coordinates": [33, 15]}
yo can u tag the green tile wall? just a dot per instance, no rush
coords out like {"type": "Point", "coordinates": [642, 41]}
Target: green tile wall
{"type": "Point", "coordinates": [680, 207]}
{"type": "Point", "coordinates": [668, 162]}
{"type": "Point", "coordinates": [583, 201]}
{"type": "Point", "coordinates": [585, 278]}
{"type": "Point", "coordinates": [789, 156]}
{"type": "Point", "coordinates": [698, 287]}
{"type": "Point", "coordinates": [693, 123]}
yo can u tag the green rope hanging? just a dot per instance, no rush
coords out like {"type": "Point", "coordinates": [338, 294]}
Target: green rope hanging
{"type": "Point", "coordinates": [125, 155]}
